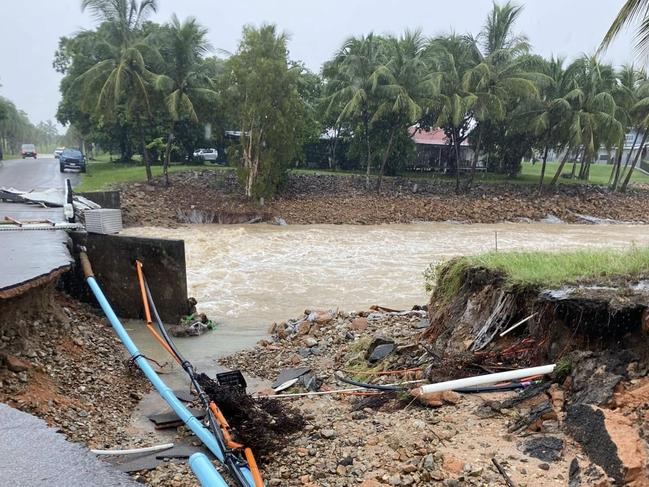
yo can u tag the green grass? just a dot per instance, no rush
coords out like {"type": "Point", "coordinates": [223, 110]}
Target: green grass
{"type": "Point", "coordinates": [102, 175]}
{"type": "Point", "coordinates": [530, 174]}
{"type": "Point", "coordinates": [553, 269]}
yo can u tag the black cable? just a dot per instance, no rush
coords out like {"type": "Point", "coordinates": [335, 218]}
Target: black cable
{"type": "Point", "coordinates": [370, 386]}
{"type": "Point", "coordinates": [502, 387]}
{"type": "Point", "coordinates": [232, 461]}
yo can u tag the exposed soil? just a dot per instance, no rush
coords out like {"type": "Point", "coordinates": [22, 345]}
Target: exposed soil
{"type": "Point", "coordinates": [62, 362]}
{"type": "Point", "coordinates": [216, 197]}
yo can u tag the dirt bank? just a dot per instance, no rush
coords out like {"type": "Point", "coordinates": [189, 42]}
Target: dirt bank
{"type": "Point", "coordinates": [215, 197]}
{"type": "Point", "coordinates": [61, 361]}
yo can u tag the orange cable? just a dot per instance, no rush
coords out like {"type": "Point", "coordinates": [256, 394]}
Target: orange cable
{"type": "Point", "coordinates": [254, 469]}
{"type": "Point", "coordinates": [147, 312]}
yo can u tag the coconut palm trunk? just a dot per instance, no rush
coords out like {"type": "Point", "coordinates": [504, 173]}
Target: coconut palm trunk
{"type": "Point", "coordinates": [615, 170]}
{"type": "Point", "coordinates": [165, 167]}
{"type": "Point", "coordinates": [543, 165]}
{"type": "Point", "coordinates": [474, 163]}
{"type": "Point", "coordinates": [366, 124]}
{"type": "Point", "coordinates": [560, 168]}
{"type": "Point", "coordinates": [638, 156]}
{"type": "Point", "coordinates": [386, 155]}
{"type": "Point", "coordinates": [145, 155]}
{"type": "Point", "coordinates": [456, 145]}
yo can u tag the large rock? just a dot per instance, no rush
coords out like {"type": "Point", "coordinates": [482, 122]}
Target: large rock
{"type": "Point", "coordinates": [379, 348]}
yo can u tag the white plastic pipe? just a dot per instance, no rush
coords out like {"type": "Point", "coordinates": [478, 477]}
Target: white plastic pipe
{"type": "Point", "coordinates": [480, 380]}
{"type": "Point", "coordinates": [134, 451]}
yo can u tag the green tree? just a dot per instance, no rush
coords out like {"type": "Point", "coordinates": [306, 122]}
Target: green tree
{"type": "Point", "coordinates": [187, 81]}
{"type": "Point", "coordinates": [452, 58]}
{"type": "Point", "coordinates": [350, 86]}
{"type": "Point", "coordinates": [640, 112]}
{"type": "Point", "coordinates": [593, 121]}
{"type": "Point", "coordinates": [120, 84]}
{"type": "Point", "coordinates": [631, 12]}
{"type": "Point", "coordinates": [264, 99]}
{"type": "Point", "coordinates": [626, 94]}
{"type": "Point", "coordinates": [550, 111]}
{"type": "Point", "coordinates": [401, 86]}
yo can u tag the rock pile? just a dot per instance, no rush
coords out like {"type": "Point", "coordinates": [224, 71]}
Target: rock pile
{"type": "Point", "coordinates": [216, 197]}
{"type": "Point", "coordinates": [390, 439]}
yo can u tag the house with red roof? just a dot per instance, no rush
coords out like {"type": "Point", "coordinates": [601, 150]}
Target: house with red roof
{"type": "Point", "coordinates": [433, 150]}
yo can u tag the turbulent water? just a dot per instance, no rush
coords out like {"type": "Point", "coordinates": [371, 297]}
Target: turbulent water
{"type": "Point", "coordinates": [247, 276]}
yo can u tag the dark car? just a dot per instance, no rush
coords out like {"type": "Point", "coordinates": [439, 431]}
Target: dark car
{"type": "Point", "coordinates": [72, 159]}
{"type": "Point", "coordinates": [28, 150]}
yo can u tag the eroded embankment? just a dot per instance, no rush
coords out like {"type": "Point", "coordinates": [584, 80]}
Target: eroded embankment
{"type": "Point", "coordinates": [60, 361]}
{"type": "Point", "coordinates": [217, 197]}
{"type": "Point", "coordinates": [594, 328]}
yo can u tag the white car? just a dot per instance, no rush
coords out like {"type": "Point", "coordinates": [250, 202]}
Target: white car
{"type": "Point", "coordinates": [58, 152]}
{"type": "Point", "coordinates": [210, 155]}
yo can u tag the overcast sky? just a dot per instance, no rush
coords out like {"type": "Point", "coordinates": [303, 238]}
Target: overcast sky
{"type": "Point", "coordinates": [31, 29]}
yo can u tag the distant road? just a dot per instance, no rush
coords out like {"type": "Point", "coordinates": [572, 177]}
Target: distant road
{"type": "Point", "coordinates": [28, 174]}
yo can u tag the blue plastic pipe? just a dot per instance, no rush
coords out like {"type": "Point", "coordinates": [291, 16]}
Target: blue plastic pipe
{"type": "Point", "coordinates": [167, 394]}
{"type": "Point", "coordinates": [205, 471]}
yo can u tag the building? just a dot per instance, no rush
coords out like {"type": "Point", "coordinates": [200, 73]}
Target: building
{"type": "Point", "coordinates": [433, 151]}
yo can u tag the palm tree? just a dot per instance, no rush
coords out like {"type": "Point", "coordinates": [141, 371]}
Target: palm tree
{"type": "Point", "coordinates": [400, 86]}
{"type": "Point", "coordinates": [549, 118]}
{"type": "Point", "coordinates": [641, 111]}
{"type": "Point", "coordinates": [497, 35]}
{"type": "Point", "coordinates": [632, 11]}
{"type": "Point", "coordinates": [187, 79]}
{"type": "Point", "coordinates": [452, 57]}
{"type": "Point", "coordinates": [505, 74]}
{"type": "Point", "coordinates": [121, 82]}
{"type": "Point", "coordinates": [593, 121]}
{"type": "Point", "coordinates": [351, 85]}
{"type": "Point", "coordinates": [626, 94]}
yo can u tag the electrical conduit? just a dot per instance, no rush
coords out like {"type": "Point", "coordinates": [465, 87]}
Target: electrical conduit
{"type": "Point", "coordinates": [484, 379]}
{"type": "Point", "coordinates": [214, 478]}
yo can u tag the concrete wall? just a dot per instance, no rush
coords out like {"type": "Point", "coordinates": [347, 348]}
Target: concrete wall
{"type": "Point", "coordinates": [113, 261]}
{"type": "Point", "coordinates": [105, 199]}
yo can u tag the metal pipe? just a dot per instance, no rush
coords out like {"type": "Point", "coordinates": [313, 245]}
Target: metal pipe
{"type": "Point", "coordinates": [12, 227]}
{"type": "Point", "coordinates": [205, 472]}
{"type": "Point", "coordinates": [167, 394]}
{"type": "Point", "coordinates": [484, 379]}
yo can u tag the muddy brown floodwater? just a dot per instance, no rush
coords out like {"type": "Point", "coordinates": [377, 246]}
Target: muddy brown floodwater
{"type": "Point", "coordinates": [247, 276]}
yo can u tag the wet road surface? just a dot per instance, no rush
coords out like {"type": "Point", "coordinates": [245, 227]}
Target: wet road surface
{"type": "Point", "coordinates": [26, 256]}
{"type": "Point", "coordinates": [33, 454]}
{"type": "Point", "coordinates": [29, 174]}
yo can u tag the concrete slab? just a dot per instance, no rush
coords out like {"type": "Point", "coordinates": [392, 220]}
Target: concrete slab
{"type": "Point", "coordinates": [30, 256]}
{"type": "Point", "coordinates": [32, 455]}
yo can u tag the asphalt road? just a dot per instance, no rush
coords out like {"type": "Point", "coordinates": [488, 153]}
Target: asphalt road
{"type": "Point", "coordinates": [35, 455]}
{"type": "Point", "coordinates": [29, 174]}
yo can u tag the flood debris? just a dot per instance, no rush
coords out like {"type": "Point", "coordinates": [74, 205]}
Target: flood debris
{"type": "Point", "coordinates": [263, 424]}
{"type": "Point", "coordinates": [194, 324]}
{"type": "Point", "coordinates": [580, 422]}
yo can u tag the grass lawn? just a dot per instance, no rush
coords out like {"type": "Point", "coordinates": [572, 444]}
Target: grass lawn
{"type": "Point", "coordinates": [551, 269]}
{"type": "Point", "coordinates": [101, 175]}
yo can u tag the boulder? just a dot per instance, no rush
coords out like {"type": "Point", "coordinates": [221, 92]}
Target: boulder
{"type": "Point", "coordinates": [379, 348]}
